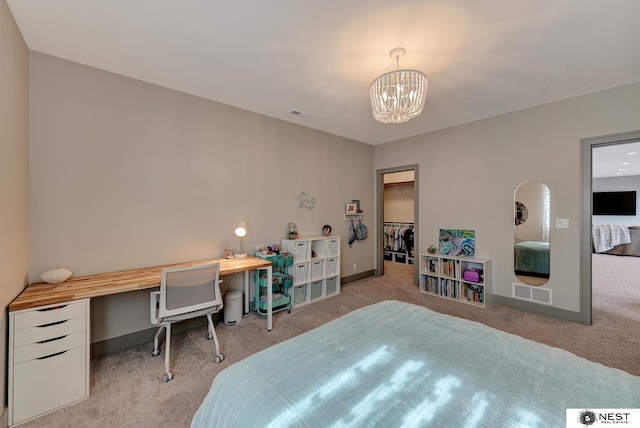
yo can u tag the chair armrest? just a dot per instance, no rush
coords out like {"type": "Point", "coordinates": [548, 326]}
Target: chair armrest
{"type": "Point", "coordinates": [154, 300]}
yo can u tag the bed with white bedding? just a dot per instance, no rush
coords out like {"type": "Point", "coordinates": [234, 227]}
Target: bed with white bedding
{"type": "Point", "coordinates": [394, 364]}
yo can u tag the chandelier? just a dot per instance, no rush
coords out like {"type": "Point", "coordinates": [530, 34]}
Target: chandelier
{"type": "Point", "coordinates": [398, 96]}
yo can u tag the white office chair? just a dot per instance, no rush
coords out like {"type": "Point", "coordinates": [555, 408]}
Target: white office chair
{"type": "Point", "coordinates": [186, 293]}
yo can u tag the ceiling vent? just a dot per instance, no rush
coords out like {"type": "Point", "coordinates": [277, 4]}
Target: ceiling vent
{"type": "Point", "coordinates": [299, 114]}
{"type": "Point", "coordinates": [532, 294]}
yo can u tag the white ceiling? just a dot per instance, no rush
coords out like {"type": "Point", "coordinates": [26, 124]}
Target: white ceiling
{"type": "Point", "coordinates": [618, 160]}
{"type": "Point", "coordinates": [483, 58]}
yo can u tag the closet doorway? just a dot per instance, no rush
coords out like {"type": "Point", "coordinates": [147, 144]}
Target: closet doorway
{"type": "Point", "coordinates": [397, 214]}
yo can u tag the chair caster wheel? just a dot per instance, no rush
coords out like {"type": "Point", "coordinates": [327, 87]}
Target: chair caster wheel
{"type": "Point", "coordinates": [155, 352]}
{"type": "Point", "coordinates": [167, 376]}
{"type": "Point", "coordinates": [219, 358]}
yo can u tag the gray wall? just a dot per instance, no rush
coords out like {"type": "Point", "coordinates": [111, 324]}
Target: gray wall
{"type": "Point", "coordinates": [14, 169]}
{"type": "Point", "coordinates": [398, 203]}
{"type": "Point", "coordinates": [468, 175]}
{"type": "Point", "coordinates": [126, 174]}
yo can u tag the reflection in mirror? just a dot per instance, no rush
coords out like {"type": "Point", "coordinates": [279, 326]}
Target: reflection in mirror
{"type": "Point", "coordinates": [532, 214]}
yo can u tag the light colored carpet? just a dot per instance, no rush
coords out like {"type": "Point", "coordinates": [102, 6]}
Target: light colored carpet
{"type": "Point", "coordinates": [127, 388]}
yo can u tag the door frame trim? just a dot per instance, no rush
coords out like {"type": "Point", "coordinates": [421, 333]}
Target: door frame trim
{"type": "Point", "coordinates": [379, 271]}
{"type": "Point", "coordinates": [586, 176]}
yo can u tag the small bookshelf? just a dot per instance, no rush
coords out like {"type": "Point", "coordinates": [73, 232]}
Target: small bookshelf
{"type": "Point", "coordinates": [463, 279]}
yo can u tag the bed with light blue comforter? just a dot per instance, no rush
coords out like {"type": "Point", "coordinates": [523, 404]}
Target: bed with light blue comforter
{"type": "Point", "coordinates": [395, 364]}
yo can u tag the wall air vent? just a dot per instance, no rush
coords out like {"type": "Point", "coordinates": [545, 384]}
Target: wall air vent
{"type": "Point", "coordinates": [299, 114]}
{"type": "Point", "coordinates": [532, 294]}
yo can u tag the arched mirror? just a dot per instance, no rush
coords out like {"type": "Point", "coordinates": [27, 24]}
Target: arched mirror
{"type": "Point", "coordinates": [532, 226]}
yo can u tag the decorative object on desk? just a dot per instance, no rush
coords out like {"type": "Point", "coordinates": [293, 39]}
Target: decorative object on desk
{"type": "Point", "coordinates": [292, 231]}
{"type": "Point", "coordinates": [457, 242]}
{"type": "Point", "coordinates": [326, 230]}
{"type": "Point", "coordinates": [351, 209]}
{"type": "Point", "coordinates": [56, 276]}
{"type": "Point", "coordinates": [241, 232]}
{"type": "Point", "coordinates": [432, 249]}
{"type": "Point", "coordinates": [228, 253]}
{"type": "Point", "coordinates": [304, 201]}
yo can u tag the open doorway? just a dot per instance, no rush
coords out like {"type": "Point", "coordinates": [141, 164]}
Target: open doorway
{"type": "Point", "coordinates": [397, 220]}
{"type": "Point", "coordinates": [594, 150]}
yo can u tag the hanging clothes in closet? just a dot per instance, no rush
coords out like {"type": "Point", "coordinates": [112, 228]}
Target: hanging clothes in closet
{"type": "Point", "coordinates": [398, 236]}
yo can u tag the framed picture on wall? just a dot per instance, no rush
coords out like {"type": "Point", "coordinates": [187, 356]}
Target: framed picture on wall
{"type": "Point", "coordinates": [357, 202]}
{"type": "Point", "coordinates": [457, 242]}
{"type": "Point", "coordinates": [352, 209]}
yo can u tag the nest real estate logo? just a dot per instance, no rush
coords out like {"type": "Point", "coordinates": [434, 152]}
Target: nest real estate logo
{"type": "Point", "coordinates": [581, 418]}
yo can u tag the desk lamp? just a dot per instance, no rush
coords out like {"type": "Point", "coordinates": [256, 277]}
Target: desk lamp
{"type": "Point", "coordinates": [241, 232]}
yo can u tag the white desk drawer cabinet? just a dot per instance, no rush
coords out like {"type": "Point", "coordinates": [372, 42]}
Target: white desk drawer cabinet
{"type": "Point", "coordinates": [48, 358]}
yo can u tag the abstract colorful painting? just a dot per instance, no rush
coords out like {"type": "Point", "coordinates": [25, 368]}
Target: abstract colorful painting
{"type": "Point", "coordinates": [457, 242]}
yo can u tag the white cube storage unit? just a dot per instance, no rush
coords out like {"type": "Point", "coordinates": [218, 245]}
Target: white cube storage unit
{"type": "Point", "coordinates": [331, 285]}
{"type": "Point", "coordinates": [48, 358]}
{"type": "Point", "coordinates": [298, 294]}
{"type": "Point", "coordinates": [315, 269]}
{"type": "Point", "coordinates": [333, 266]}
{"type": "Point", "coordinates": [300, 250]}
{"type": "Point", "coordinates": [300, 272]}
{"type": "Point", "coordinates": [316, 290]}
{"type": "Point", "coordinates": [444, 276]}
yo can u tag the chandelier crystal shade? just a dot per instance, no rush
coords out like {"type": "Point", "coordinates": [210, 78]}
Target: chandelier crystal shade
{"type": "Point", "coordinates": [398, 96]}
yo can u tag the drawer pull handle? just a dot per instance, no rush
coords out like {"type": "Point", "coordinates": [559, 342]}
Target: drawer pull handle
{"type": "Point", "coordinates": [52, 339]}
{"type": "Point", "coordinates": [52, 323]}
{"type": "Point", "coordinates": [53, 308]}
{"type": "Point", "coordinates": [52, 355]}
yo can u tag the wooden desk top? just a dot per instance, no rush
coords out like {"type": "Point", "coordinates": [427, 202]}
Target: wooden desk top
{"type": "Point", "coordinates": [104, 284]}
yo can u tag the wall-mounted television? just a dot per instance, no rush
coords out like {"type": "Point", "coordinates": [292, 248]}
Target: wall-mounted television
{"type": "Point", "coordinates": [614, 203]}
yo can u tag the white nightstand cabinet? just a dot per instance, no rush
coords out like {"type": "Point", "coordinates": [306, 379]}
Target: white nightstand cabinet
{"type": "Point", "coordinates": [48, 358]}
